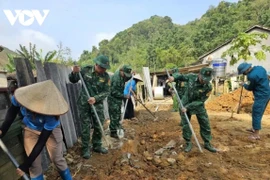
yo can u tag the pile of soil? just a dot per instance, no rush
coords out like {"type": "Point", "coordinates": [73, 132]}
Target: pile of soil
{"type": "Point", "coordinates": [229, 102]}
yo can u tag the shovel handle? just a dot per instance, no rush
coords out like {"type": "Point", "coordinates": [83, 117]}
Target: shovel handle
{"type": "Point", "coordinates": [240, 100]}
{"type": "Point", "coordinates": [13, 160]}
{"type": "Point", "coordinates": [181, 105]}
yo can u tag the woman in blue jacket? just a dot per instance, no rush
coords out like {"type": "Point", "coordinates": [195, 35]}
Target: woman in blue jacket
{"type": "Point", "coordinates": [41, 104]}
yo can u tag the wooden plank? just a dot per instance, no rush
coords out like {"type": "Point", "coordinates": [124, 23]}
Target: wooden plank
{"type": "Point", "coordinates": [58, 74]}
{"type": "Point", "coordinates": [73, 92]}
{"type": "Point", "coordinates": [24, 72]}
{"type": "Point", "coordinates": [41, 76]}
{"type": "Point", "coordinates": [147, 82]}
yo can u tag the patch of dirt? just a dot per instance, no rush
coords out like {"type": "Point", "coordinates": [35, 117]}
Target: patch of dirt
{"type": "Point", "coordinates": [229, 102]}
{"type": "Point", "coordinates": [139, 154]}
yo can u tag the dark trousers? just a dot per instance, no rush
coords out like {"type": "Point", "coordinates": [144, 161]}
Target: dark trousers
{"type": "Point", "coordinates": [130, 110]}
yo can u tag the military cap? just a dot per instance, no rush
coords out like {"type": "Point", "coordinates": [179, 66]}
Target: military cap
{"type": "Point", "coordinates": [102, 61]}
{"type": "Point", "coordinates": [127, 70]}
{"type": "Point", "coordinates": [206, 74]}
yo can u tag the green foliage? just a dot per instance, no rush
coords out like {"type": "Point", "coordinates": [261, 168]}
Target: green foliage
{"type": "Point", "coordinates": [28, 54]}
{"type": "Point", "coordinates": [157, 41]}
{"type": "Point", "coordinates": [243, 47]}
{"type": "Point", "coordinates": [10, 66]}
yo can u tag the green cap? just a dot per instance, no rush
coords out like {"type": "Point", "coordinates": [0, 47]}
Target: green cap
{"type": "Point", "coordinates": [206, 74]}
{"type": "Point", "coordinates": [102, 61]}
{"type": "Point", "coordinates": [127, 70]}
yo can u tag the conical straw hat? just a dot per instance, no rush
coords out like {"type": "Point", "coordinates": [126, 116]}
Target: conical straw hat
{"type": "Point", "coordinates": [42, 98]}
{"type": "Point", "coordinates": [138, 77]}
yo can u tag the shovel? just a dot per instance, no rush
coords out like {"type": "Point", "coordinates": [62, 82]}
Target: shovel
{"type": "Point", "coordinates": [94, 109]}
{"type": "Point", "coordinates": [189, 124]}
{"type": "Point", "coordinates": [120, 132]}
{"type": "Point", "coordinates": [13, 160]}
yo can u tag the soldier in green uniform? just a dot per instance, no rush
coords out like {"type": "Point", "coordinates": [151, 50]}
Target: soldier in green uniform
{"type": "Point", "coordinates": [97, 81]}
{"type": "Point", "coordinates": [198, 90]}
{"type": "Point", "coordinates": [116, 98]}
{"type": "Point", "coordinates": [180, 87]}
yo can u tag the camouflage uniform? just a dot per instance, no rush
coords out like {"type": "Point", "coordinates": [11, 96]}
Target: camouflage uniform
{"type": "Point", "coordinates": [180, 87]}
{"type": "Point", "coordinates": [116, 97]}
{"type": "Point", "coordinates": [98, 87]}
{"type": "Point", "coordinates": [193, 100]}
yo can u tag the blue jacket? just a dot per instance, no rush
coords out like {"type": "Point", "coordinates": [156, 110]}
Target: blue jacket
{"type": "Point", "coordinates": [127, 87]}
{"type": "Point", "coordinates": [259, 82]}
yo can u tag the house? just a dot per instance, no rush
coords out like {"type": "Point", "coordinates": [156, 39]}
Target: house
{"type": "Point", "coordinates": [217, 52]}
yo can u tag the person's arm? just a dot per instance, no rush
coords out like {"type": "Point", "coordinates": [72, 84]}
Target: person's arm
{"type": "Point", "coordinates": [74, 76]}
{"type": "Point", "coordinates": [51, 122]}
{"type": "Point", "coordinates": [43, 137]}
{"type": "Point", "coordinates": [251, 85]}
{"type": "Point", "coordinates": [180, 77]}
{"type": "Point", "coordinates": [116, 89]}
{"type": "Point", "coordinates": [11, 114]}
{"type": "Point", "coordinates": [9, 119]}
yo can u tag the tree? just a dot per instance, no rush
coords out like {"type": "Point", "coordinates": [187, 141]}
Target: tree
{"type": "Point", "coordinates": [10, 66]}
{"type": "Point", "coordinates": [48, 57]}
{"type": "Point", "coordinates": [243, 47]}
{"type": "Point", "coordinates": [28, 54]}
{"type": "Point", "coordinates": [63, 53]}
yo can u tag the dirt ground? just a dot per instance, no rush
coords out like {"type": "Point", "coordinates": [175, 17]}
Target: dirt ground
{"type": "Point", "coordinates": [153, 150]}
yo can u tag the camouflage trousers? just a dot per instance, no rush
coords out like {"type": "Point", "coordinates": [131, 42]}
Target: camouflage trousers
{"type": "Point", "coordinates": [205, 129]}
{"type": "Point", "coordinates": [88, 119]}
{"type": "Point", "coordinates": [115, 113]}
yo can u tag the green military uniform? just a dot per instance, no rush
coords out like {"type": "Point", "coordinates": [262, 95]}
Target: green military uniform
{"type": "Point", "coordinates": [180, 87]}
{"type": "Point", "coordinates": [98, 87]}
{"type": "Point", "coordinates": [116, 97]}
{"type": "Point", "coordinates": [193, 100]}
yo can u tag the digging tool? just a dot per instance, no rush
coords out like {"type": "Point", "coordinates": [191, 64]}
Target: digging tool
{"type": "Point", "coordinates": [181, 105]}
{"type": "Point", "coordinates": [94, 109]}
{"type": "Point", "coordinates": [240, 100]}
{"type": "Point", "coordinates": [144, 106]}
{"type": "Point", "coordinates": [120, 132]}
{"type": "Point", "coordinates": [238, 105]}
{"type": "Point", "coordinates": [13, 160]}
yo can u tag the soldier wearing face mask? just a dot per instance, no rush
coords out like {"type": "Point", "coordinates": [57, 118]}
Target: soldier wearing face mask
{"type": "Point", "coordinates": [116, 97]}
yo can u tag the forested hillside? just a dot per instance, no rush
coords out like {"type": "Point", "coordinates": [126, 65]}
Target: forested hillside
{"type": "Point", "coordinates": [158, 43]}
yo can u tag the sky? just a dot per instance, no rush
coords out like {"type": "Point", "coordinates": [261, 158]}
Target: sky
{"type": "Point", "coordinates": [81, 24]}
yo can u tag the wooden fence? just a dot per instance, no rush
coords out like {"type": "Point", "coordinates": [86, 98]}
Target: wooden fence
{"type": "Point", "coordinates": [70, 122]}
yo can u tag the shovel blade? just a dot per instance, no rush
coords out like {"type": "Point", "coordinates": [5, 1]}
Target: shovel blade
{"type": "Point", "coordinates": [120, 133]}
